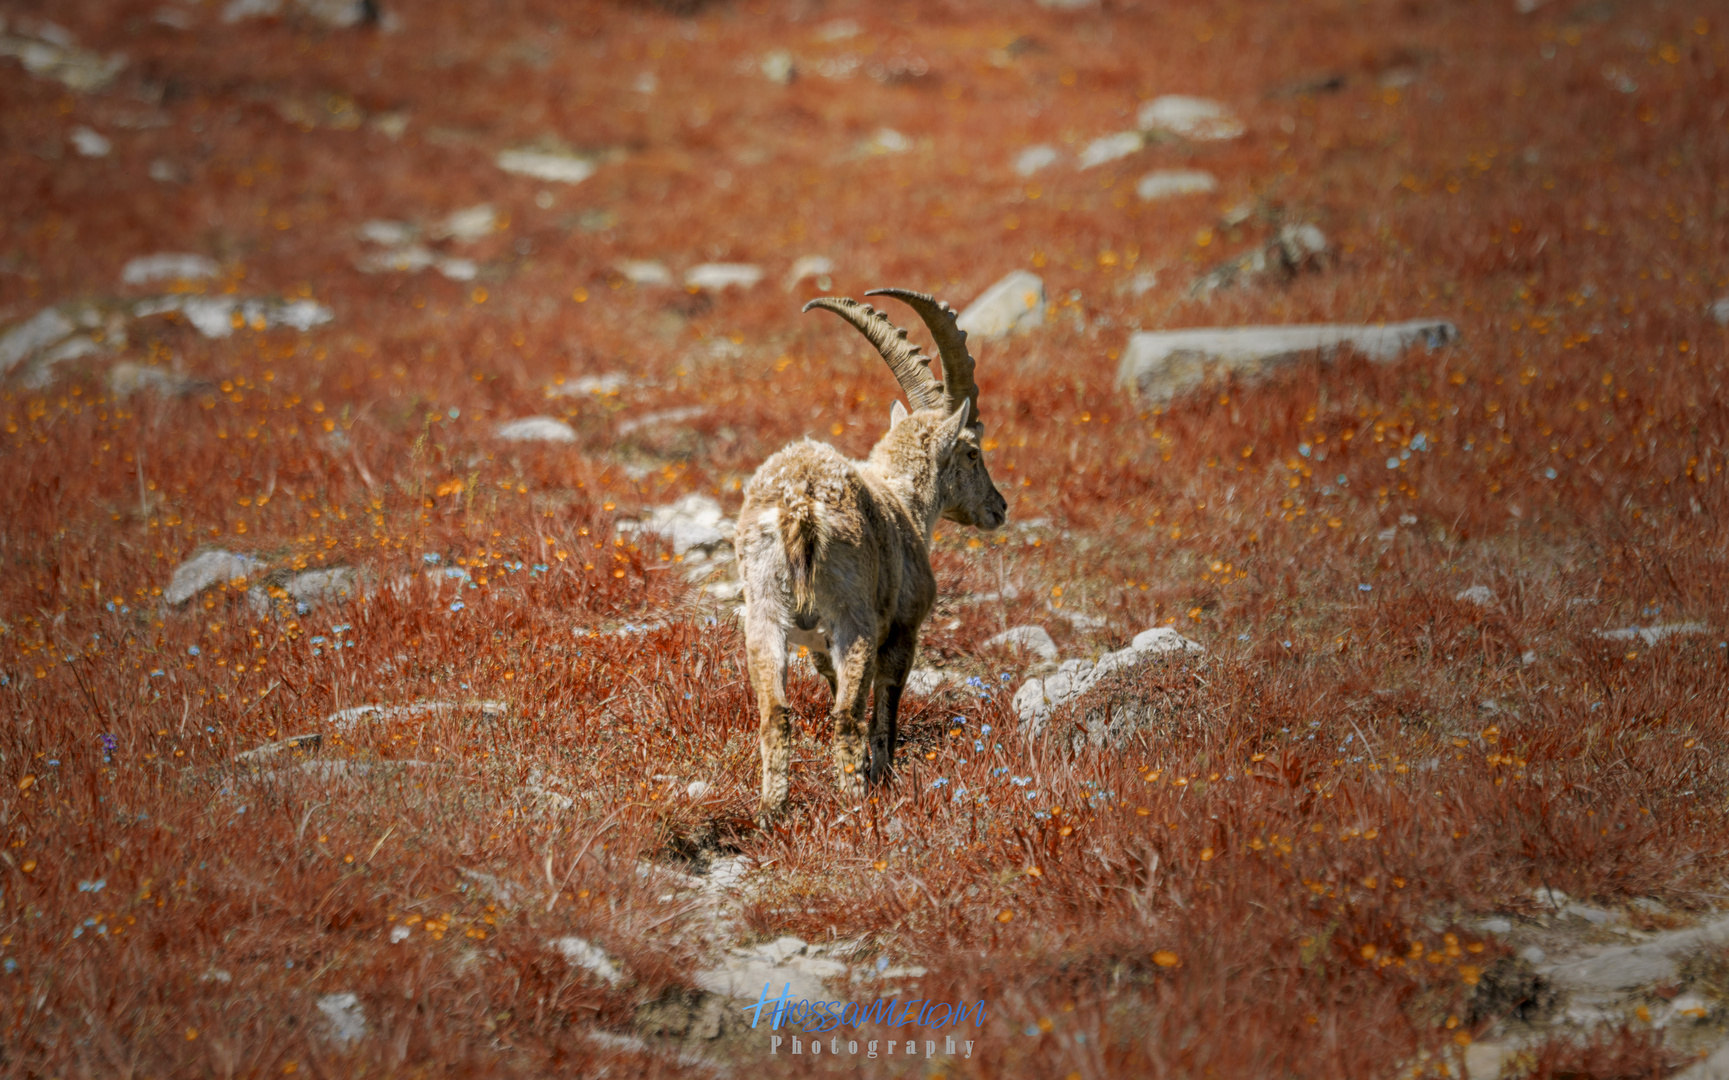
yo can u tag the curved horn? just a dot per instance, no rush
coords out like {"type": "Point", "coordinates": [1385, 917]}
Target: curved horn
{"type": "Point", "coordinates": [939, 318]}
{"type": "Point", "coordinates": [901, 355]}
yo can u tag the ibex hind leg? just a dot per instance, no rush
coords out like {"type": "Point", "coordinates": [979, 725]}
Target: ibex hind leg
{"type": "Point", "coordinates": [855, 669]}
{"type": "Point", "coordinates": [765, 651]}
{"type": "Point", "coordinates": [894, 661]}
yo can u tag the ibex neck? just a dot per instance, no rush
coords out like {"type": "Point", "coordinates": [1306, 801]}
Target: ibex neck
{"type": "Point", "coordinates": [911, 478]}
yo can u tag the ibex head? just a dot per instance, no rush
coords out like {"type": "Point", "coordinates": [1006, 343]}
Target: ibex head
{"type": "Point", "coordinates": [965, 493]}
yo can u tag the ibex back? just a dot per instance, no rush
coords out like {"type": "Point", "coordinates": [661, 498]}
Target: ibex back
{"type": "Point", "coordinates": [835, 554]}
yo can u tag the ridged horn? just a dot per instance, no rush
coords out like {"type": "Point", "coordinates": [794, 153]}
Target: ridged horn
{"type": "Point", "coordinates": [939, 318]}
{"type": "Point", "coordinates": [901, 355]}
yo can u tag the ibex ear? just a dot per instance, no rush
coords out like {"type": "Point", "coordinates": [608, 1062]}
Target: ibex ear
{"type": "Point", "coordinates": [897, 413]}
{"type": "Point", "coordinates": [950, 431]}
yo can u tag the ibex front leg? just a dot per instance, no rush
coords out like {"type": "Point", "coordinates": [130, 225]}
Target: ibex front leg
{"type": "Point", "coordinates": [855, 669]}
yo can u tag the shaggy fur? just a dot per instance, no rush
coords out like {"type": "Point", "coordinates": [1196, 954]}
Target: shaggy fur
{"type": "Point", "coordinates": [835, 556]}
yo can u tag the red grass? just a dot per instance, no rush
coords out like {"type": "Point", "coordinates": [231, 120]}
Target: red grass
{"type": "Point", "coordinates": [1575, 232]}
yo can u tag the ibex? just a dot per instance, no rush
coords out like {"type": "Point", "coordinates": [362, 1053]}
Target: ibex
{"type": "Point", "coordinates": [835, 554]}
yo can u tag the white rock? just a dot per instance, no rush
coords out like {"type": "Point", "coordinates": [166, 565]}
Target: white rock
{"type": "Point", "coordinates": [695, 521]}
{"type": "Point", "coordinates": [206, 569]}
{"type": "Point", "coordinates": [1034, 639]}
{"type": "Point", "coordinates": [346, 720]}
{"type": "Point", "coordinates": [74, 68]}
{"type": "Point", "coordinates": [214, 316]}
{"type": "Point", "coordinates": [466, 226]}
{"type": "Point", "coordinates": [604, 384]}
{"type": "Point", "coordinates": [168, 266]}
{"type": "Point", "coordinates": [817, 266]}
{"type": "Point", "coordinates": [400, 934]}
{"type": "Point", "coordinates": [403, 260]}
{"type": "Point", "coordinates": [662, 416]}
{"type": "Point", "coordinates": [1164, 363]}
{"type": "Point", "coordinates": [1037, 698]}
{"type": "Point", "coordinates": [697, 789]}
{"type": "Point", "coordinates": [536, 429]}
{"type": "Point", "coordinates": [1170, 183]}
{"type": "Point", "coordinates": [389, 233]}
{"type": "Point", "coordinates": [1035, 158]}
{"type": "Point", "coordinates": [1720, 310]}
{"type": "Point", "coordinates": [1690, 1006]}
{"type": "Point", "coordinates": [1632, 966]}
{"type": "Point", "coordinates": [457, 269]}
{"type": "Point", "coordinates": [887, 141]}
{"type": "Point", "coordinates": [128, 378]}
{"type": "Point", "coordinates": [546, 165]}
{"type": "Point", "coordinates": [644, 272]}
{"type": "Point", "coordinates": [1014, 303]}
{"type": "Point", "coordinates": [309, 588]}
{"type": "Point", "coordinates": [47, 327]}
{"type": "Point", "coordinates": [590, 957]}
{"type": "Point", "coordinates": [1495, 926]}
{"type": "Point", "coordinates": [1111, 147]}
{"type": "Point", "coordinates": [1200, 119]}
{"type": "Point", "coordinates": [719, 276]}
{"type": "Point", "coordinates": [925, 681]}
{"type": "Point", "coordinates": [778, 67]}
{"type": "Point", "coordinates": [1476, 594]}
{"type": "Point", "coordinates": [1163, 639]}
{"type": "Point", "coordinates": [1654, 633]}
{"type": "Point", "coordinates": [347, 1020]}
{"type": "Point", "coordinates": [90, 143]}
{"type": "Point", "coordinates": [72, 348]}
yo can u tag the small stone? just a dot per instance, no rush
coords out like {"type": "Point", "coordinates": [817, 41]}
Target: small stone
{"type": "Point", "coordinates": [644, 272]}
{"type": "Point", "coordinates": [345, 1017]}
{"type": "Point", "coordinates": [128, 378]}
{"type": "Point", "coordinates": [1476, 594]}
{"type": "Point", "coordinates": [467, 226]}
{"type": "Point", "coordinates": [1654, 633]}
{"type": "Point", "coordinates": [1012, 304]}
{"type": "Point", "coordinates": [1111, 147]}
{"type": "Point", "coordinates": [388, 233]}
{"type": "Point", "coordinates": [302, 743]}
{"type": "Point", "coordinates": [306, 589]}
{"type": "Point", "coordinates": [72, 67]}
{"type": "Point", "coordinates": [661, 416]}
{"type": "Point", "coordinates": [164, 171]}
{"type": "Point", "coordinates": [168, 266]}
{"type": "Point", "coordinates": [1532, 954]}
{"type": "Point", "coordinates": [604, 385]}
{"type": "Point", "coordinates": [697, 789]}
{"type": "Point", "coordinates": [1200, 119]}
{"type": "Point", "coordinates": [47, 327]}
{"type": "Point", "coordinates": [207, 569]}
{"type": "Point", "coordinates": [1036, 158]}
{"type": "Point", "coordinates": [693, 522]}
{"type": "Point", "coordinates": [817, 266]}
{"type": "Point", "coordinates": [90, 143]}
{"type": "Point", "coordinates": [1170, 183]}
{"type": "Point", "coordinates": [343, 721]}
{"type": "Point", "coordinates": [1495, 926]}
{"type": "Point", "coordinates": [590, 957]}
{"type": "Point", "coordinates": [887, 141]}
{"type": "Point", "coordinates": [1162, 364]}
{"type": "Point", "coordinates": [718, 276]}
{"type": "Point", "coordinates": [1163, 639]}
{"type": "Point", "coordinates": [1034, 639]}
{"type": "Point", "coordinates": [219, 317]}
{"type": "Point", "coordinates": [782, 948]}
{"type": "Point", "coordinates": [558, 168]}
{"type": "Point", "coordinates": [924, 681]}
{"type": "Point", "coordinates": [1720, 310]}
{"type": "Point", "coordinates": [778, 67]}
{"type": "Point", "coordinates": [536, 429]}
